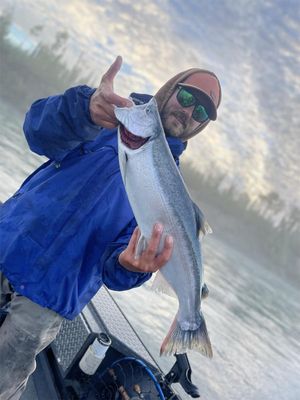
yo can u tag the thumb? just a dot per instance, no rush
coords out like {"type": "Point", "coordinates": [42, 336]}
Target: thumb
{"type": "Point", "coordinates": [113, 70]}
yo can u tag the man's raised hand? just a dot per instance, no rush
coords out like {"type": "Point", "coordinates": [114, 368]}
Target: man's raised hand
{"type": "Point", "coordinates": [104, 99]}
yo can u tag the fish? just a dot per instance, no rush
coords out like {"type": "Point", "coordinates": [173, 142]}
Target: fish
{"type": "Point", "coordinates": [157, 193]}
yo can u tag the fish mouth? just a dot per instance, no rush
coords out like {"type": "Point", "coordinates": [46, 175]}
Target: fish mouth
{"type": "Point", "coordinates": [130, 140]}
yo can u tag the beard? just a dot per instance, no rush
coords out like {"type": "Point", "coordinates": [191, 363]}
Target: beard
{"type": "Point", "coordinates": [174, 121]}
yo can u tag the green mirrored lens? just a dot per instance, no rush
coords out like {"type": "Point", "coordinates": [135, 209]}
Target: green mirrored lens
{"type": "Point", "coordinates": [185, 99]}
{"type": "Point", "coordinates": [200, 114]}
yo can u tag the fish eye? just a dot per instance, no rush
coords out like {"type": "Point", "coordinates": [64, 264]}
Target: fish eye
{"type": "Point", "coordinates": [147, 110]}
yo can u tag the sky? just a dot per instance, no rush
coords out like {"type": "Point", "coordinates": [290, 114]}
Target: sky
{"type": "Point", "coordinates": [252, 45]}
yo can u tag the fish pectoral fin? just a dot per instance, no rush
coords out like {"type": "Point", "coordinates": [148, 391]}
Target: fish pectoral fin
{"type": "Point", "coordinates": [202, 225]}
{"type": "Point", "coordinates": [141, 246]}
{"type": "Point", "coordinates": [161, 285]}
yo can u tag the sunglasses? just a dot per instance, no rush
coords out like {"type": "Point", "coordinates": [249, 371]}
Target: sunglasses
{"type": "Point", "coordinates": [186, 99]}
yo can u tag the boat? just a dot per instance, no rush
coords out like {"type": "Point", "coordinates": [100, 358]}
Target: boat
{"type": "Point", "coordinates": [127, 371]}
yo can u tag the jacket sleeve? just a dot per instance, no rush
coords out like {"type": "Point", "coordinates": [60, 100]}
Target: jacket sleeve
{"type": "Point", "coordinates": [56, 125]}
{"type": "Point", "coordinates": [114, 275]}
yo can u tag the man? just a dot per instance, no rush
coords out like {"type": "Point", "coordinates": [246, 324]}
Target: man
{"type": "Point", "coordinates": [69, 228]}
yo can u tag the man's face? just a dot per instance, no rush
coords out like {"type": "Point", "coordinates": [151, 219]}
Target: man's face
{"type": "Point", "coordinates": [177, 120]}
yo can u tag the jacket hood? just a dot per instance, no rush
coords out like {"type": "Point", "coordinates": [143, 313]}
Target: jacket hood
{"type": "Point", "coordinates": [204, 81]}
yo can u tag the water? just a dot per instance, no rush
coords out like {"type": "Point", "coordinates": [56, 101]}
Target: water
{"type": "Point", "coordinates": [254, 326]}
{"type": "Point", "coordinates": [16, 160]}
{"type": "Point", "coordinates": [252, 315]}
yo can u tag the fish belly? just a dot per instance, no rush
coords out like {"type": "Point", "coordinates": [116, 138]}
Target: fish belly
{"type": "Point", "coordinates": [150, 204]}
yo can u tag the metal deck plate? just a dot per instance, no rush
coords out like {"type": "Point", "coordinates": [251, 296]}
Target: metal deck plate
{"type": "Point", "coordinates": [102, 314]}
{"type": "Point", "coordinates": [69, 341]}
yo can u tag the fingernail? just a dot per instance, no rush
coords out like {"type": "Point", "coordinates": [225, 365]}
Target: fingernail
{"type": "Point", "coordinates": [129, 103]}
{"type": "Point", "coordinates": [169, 239]}
{"type": "Point", "coordinates": [159, 227]}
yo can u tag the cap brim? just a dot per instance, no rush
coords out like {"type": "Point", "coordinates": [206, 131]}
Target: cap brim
{"type": "Point", "coordinates": [206, 101]}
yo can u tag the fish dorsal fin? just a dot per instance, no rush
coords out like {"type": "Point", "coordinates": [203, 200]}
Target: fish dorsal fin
{"type": "Point", "coordinates": [141, 246]}
{"type": "Point", "coordinates": [161, 285]}
{"type": "Point", "coordinates": [201, 223]}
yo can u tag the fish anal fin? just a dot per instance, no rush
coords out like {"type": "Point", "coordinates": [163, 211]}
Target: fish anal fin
{"type": "Point", "coordinates": [161, 285]}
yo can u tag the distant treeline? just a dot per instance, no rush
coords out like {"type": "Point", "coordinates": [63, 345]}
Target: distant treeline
{"type": "Point", "coordinates": [238, 222]}
{"type": "Point", "coordinates": [27, 76]}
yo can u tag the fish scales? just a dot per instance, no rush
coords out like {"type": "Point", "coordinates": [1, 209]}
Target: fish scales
{"type": "Point", "coordinates": [178, 200]}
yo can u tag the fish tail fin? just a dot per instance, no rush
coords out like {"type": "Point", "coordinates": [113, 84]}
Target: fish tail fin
{"type": "Point", "coordinates": [179, 340]}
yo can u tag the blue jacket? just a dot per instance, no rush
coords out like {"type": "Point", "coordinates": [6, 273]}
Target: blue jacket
{"type": "Point", "coordinates": [61, 233]}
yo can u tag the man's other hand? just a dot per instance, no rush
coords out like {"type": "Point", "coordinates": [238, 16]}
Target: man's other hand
{"type": "Point", "coordinates": [148, 260]}
{"type": "Point", "coordinates": [104, 99]}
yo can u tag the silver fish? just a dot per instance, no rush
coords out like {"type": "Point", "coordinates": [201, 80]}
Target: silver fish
{"type": "Point", "coordinates": [157, 192]}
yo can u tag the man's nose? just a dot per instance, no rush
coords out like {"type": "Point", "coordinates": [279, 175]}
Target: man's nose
{"type": "Point", "coordinates": [189, 111]}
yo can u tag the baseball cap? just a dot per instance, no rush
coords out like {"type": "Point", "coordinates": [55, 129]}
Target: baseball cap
{"type": "Point", "coordinates": [206, 87]}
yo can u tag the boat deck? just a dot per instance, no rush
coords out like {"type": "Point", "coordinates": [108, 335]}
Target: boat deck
{"type": "Point", "coordinates": [41, 383]}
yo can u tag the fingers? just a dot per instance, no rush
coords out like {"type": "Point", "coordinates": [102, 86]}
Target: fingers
{"type": "Point", "coordinates": [148, 260]}
{"type": "Point", "coordinates": [150, 257]}
{"type": "Point", "coordinates": [102, 113]}
{"type": "Point", "coordinates": [152, 248]}
{"type": "Point", "coordinates": [133, 241]}
{"type": "Point", "coordinates": [104, 99]}
{"type": "Point", "coordinates": [127, 257]}
{"type": "Point", "coordinates": [112, 98]}
{"type": "Point", "coordinates": [102, 108]}
{"type": "Point", "coordinates": [165, 255]}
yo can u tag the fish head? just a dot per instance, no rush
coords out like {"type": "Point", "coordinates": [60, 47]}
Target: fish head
{"type": "Point", "coordinates": [139, 124]}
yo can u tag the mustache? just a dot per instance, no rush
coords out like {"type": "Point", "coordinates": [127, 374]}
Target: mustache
{"type": "Point", "coordinates": [181, 116]}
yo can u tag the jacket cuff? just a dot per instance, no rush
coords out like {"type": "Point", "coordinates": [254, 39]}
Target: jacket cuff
{"type": "Point", "coordinates": [117, 277]}
{"type": "Point", "coordinates": [86, 93]}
